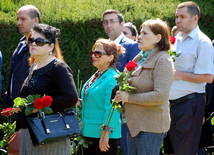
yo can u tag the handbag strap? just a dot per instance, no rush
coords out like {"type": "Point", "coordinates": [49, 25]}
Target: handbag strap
{"type": "Point", "coordinates": [47, 130]}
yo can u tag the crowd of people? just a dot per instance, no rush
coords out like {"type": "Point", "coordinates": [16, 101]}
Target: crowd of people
{"type": "Point", "coordinates": [167, 105]}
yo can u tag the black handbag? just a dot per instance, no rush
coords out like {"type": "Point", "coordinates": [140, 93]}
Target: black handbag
{"type": "Point", "coordinates": [53, 127]}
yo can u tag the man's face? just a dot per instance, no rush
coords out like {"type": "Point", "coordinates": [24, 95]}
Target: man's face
{"type": "Point", "coordinates": [111, 25]}
{"type": "Point", "coordinates": [185, 23]}
{"type": "Point", "coordinates": [24, 22]}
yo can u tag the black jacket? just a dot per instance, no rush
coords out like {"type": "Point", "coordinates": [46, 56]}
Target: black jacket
{"type": "Point", "coordinates": [18, 69]}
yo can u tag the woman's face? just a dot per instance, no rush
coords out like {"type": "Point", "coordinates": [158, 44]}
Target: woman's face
{"type": "Point", "coordinates": [147, 39]}
{"type": "Point", "coordinates": [127, 32]}
{"type": "Point", "coordinates": [102, 62]}
{"type": "Point", "coordinates": [39, 46]}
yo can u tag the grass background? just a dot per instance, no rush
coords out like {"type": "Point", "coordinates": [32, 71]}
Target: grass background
{"type": "Point", "coordinates": [80, 22]}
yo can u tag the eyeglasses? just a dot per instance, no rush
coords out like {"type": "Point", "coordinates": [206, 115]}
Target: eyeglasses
{"type": "Point", "coordinates": [98, 54]}
{"type": "Point", "coordinates": [111, 21]}
{"type": "Point", "coordinates": [38, 41]}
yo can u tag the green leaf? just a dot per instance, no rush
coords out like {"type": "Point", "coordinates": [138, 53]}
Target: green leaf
{"type": "Point", "coordinates": [85, 145]}
{"type": "Point", "coordinates": [28, 110]}
{"type": "Point", "coordinates": [130, 87]}
{"type": "Point", "coordinates": [19, 102]}
{"type": "Point", "coordinates": [36, 96]}
{"type": "Point", "coordinates": [119, 109]}
{"type": "Point", "coordinates": [47, 110]}
{"type": "Point", "coordinates": [30, 99]}
{"type": "Point", "coordinates": [119, 77]}
{"type": "Point", "coordinates": [81, 142]}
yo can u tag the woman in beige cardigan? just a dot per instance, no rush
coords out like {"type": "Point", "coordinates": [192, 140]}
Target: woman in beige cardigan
{"type": "Point", "coordinates": [147, 110]}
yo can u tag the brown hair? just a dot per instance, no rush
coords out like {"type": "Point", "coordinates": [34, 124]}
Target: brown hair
{"type": "Point", "coordinates": [173, 30]}
{"type": "Point", "coordinates": [192, 8]}
{"type": "Point", "coordinates": [110, 48]}
{"type": "Point", "coordinates": [133, 29]}
{"type": "Point", "coordinates": [51, 34]}
{"type": "Point", "coordinates": [159, 27]}
{"type": "Point", "coordinates": [111, 11]}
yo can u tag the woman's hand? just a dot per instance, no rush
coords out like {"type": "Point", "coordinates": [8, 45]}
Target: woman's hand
{"type": "Point", "coordinates": [103, 143]}
{"type": "Point", "coordinates": [35, 110]}
{"type": "Point", "coordinates": [121, 96]}
{"type": "Point", "coordinates": [16, 110]}
{"type": "Point", "coordinates": [79, 103]}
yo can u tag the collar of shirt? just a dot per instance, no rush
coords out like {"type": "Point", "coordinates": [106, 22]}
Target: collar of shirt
{"type": "Point", "coordinates": [192, 34]}
{"type": "Point", "coordinates": [117, 40]}
{"type": "Point", "coordinates": [23, 42]}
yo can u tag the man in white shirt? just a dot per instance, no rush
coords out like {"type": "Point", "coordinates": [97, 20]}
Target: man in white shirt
{"type": "Point", "coordinates": [193, 69]}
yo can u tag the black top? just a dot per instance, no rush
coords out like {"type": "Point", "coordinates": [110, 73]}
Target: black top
{"type": "Point", "coordinates": [55, 80]}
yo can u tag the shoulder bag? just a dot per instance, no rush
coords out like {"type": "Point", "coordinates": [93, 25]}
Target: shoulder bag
{"type": "Point", "coordinates": [53, 127]}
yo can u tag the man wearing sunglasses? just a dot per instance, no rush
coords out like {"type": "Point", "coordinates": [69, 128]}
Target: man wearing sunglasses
{"type": "Point", "coordinates": [27, 17]}
{"type": "Point", "coordinates": [113, 25]}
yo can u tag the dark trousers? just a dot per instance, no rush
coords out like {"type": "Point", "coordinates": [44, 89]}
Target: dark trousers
{"type": "Point", "coordinates": [123, 139]}
{"type": "Point", "coordinates": [95, 150]}
{"type": "Point", "coordinates": [186, 124]}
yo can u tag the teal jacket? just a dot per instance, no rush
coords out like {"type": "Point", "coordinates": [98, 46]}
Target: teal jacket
{"type": "Point", "coordinates": [97, 104]}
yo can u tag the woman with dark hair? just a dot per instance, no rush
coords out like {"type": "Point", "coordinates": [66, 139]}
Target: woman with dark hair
{"type": "Point", "coordinates": [96, 101]}
{"type": "Point", "coordinates": [147, 110]}
{"type": "Point", "coordinates": [49, 75]}
{"type": "Point", "coordinates": [130, 31]}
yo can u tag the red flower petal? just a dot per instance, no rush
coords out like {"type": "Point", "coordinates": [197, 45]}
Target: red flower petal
{"type": "Point", "coordinates": [38, 103]}
{"type": "Point", "coordinates": [47, 100]}
{"type": "Point", "coordinates": [131, 65]}
{"type": "Point", "coordinates": [7, 111]}
{"type": "Point", "coordinates": [172, 39]}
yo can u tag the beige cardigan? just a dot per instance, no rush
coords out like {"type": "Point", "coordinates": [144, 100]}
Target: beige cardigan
{"type": "Point", "coordinates": [148, 108]}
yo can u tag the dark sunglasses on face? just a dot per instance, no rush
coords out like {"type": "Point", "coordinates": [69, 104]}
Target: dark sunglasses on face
{"type": "Point", "coordinates": [98, 54]}
{"type": "Point", "coordinates": [38, 41]}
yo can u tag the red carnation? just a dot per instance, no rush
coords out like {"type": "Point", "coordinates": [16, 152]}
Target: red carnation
{"type": "Point", "coordinates": [7, 111]}
{"type": "Point", "coordinates": [47, 100]}
{"type": "Point", "coordinates": [172, 39]}
{"type": "Point", "coordinates": [131, 65]}
{"type": "Point", "coordinates": [38, 103]}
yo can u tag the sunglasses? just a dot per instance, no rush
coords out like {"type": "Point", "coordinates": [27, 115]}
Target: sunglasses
{"type": "Point", "coordinates": [98, 54]}
{"type": "Point", "coordinates": [38, 41]}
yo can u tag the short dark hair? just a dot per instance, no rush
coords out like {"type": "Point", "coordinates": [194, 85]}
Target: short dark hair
{"type": "Point", "coordinates": [159, 27]}
{"type": "Point", "coordinates": [111, 11]}
{"type": "Point", "coordinates": [192, 8]}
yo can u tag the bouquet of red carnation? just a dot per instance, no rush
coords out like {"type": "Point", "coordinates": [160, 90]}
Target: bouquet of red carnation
{"type": "Point", "coordinates": [34, 102]}
{"type": "Point", "coordinates": [123, 86]}
{"type": "Point", "coordinates": [8, 128]}
{"type": "Point", "coordinates": [172, 39]}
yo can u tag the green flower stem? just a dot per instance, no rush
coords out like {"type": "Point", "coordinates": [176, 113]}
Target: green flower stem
{"type": "Point", "coordinates": [81, 149]}
{"type": "Point", "coordinates": [108, 123]}
{"type": "Point", "coordinates": [127, 76]}
{"type": "Point", "coordinates": [8, 120]}
{"type": "Point", "coordinates": [106, 120]}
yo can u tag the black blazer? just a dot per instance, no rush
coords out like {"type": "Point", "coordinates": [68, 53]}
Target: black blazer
{"type": "Point", "coordinates": [18, 68]}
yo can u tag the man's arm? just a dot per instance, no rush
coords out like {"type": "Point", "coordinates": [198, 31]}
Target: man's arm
{"type": "Point", "coordinates": [197, 78]}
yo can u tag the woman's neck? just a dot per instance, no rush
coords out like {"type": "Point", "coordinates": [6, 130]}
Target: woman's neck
{"type": "Point", "coordinates": [43, 62]}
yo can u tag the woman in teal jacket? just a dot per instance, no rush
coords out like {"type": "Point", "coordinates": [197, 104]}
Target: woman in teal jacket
{"type": "Point", "coordinates": [96, 100]}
